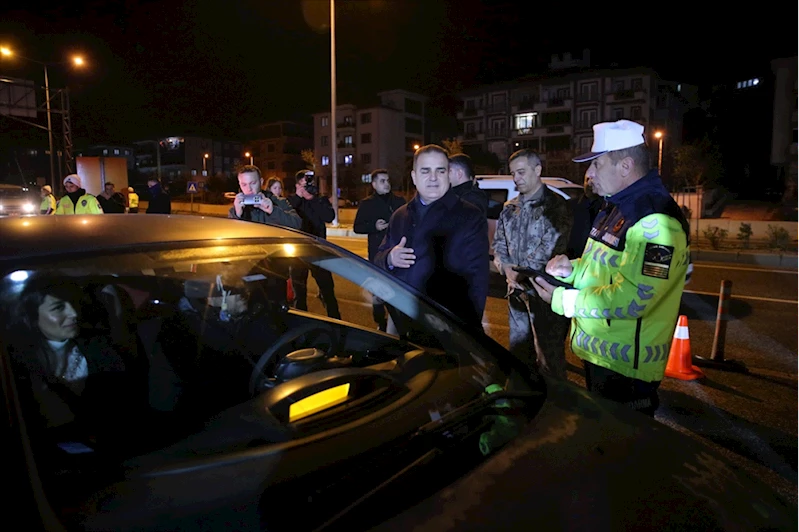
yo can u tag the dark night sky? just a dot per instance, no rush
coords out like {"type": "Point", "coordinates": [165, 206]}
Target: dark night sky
{"type": "Point", "coordinates": [212, 67]}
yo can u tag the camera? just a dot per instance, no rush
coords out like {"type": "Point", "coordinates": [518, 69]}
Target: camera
{"type": "Point", "coordinates": [309, 180]}
{"type": "Point", "coordinates": [251, 199]}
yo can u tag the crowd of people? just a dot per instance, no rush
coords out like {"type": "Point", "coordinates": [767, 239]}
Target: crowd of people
{"type": "Point", "coordinates": [77, 201]}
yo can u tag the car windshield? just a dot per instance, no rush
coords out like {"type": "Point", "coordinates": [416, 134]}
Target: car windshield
{"type": "Point", "coordinates": [150, 357]}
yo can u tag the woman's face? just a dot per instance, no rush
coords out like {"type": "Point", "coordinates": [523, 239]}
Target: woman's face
{"type": "Point", "coordinates": [58, 319]}
{"type": "Point", "coordinates": [276, 189]}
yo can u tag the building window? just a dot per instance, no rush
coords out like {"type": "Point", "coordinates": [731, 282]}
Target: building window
{"type": "Point", "coordinates": [366, 138]}
{"type": "Point", "coordinates": [270, 148]}
{"type": "Point", "coordinates": [413, 125]}
{"type": "Point", "coordinates": [325, 160]}
{"type": "Point", "coordinates": [413, 106]}
{"type": "Point", "coordinates": [33, 152]}
{"type": "Point", "coordinates": [270, 165]}
{"type": "Point", "coordinates": [470, 128]}
{"type": "Point", "coordinates": [563, 93]}
{"type": "Point", "coordinates": [325, 121]}
{"type": "Point", "coordinates": [348, 122]}
{"type": "Point", "coordinates": [366, 158]}
{"type": "Point", "coordinates": [638, 84]}
{"type": "Point", "coordinates": [105, 152]}
{"type": "Point", "coordinates": [348, 160]}
{"type": "Point", "coordinates": [618, 85]}
{"type": "Point", "coordinates": [586, 143]}
{"type": "Point", "coordinates": [587, 118]}
{"type": "Point", "coordinates": [127, 152]}
{"type": "Point", "coordinates": [348, 141]}
{"type": "Point", "coordinates": [194, 172]}
{"type": "Point", "coordinates": [635, 112]}
{"type": "Point", "coordinates": [526, 121]}
{"type": "Point", "coordinates": [618, 113]}
{"type": "Point", "coordinates": [323, 140]}
{"type": "Point", "coordinates": [366, 118]}
{"type": "Point", "coordinates": [589, 91]}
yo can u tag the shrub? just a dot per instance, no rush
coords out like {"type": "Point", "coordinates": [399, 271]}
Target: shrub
{"type": "Point", "coordinates": [715, 235]}
{"type": "Point", "coordinates": [778, 237]}
{"type": "Point", "coordinates": [745, 234]}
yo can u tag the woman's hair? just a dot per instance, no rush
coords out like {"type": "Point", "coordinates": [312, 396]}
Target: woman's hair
{"type": "Point", "coordinates": [26, 341]}
{"type": "Point", "coordinates": [272, 181]}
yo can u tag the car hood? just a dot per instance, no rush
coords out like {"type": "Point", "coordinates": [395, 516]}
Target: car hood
{"type": "Point", "coordinates": [588, 464]}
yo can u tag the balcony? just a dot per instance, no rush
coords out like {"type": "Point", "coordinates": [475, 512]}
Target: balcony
{"type": "Point", "coordinates": [497, 133]}
{"type": "Point", "coordinates": [586, 124]}
{"type": "Point", "coordinates": [560, 129]}
{"type": "Point", "coordinates": [554, 103]}
{"type": "Point", "coordinates": [345, 124]}
{"type": "Point", "coordinates": [473, 135]}
{"type": "Point", "coordinates": [346, 146]}
{"type": "Point", "coordinates": [522, 106]}
{"type": "Point", "coordinates": [628, 95]}
{"type": "Point", "coordinates": [588, 97]}
{"type": "Point", "coordinates": [522, 132]}
{"type": "Point", "coordinates": [497, 108]}
{"type": "Point", "coordinates": [470, 112]}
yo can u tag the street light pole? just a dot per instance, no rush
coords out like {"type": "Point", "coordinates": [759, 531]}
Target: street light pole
{"type": "Point", "coordinates": [333, 158]}
{"type": "Point", "coordinates": [659, 136]}
{"type": "Point", "coordinates": [49, 126]}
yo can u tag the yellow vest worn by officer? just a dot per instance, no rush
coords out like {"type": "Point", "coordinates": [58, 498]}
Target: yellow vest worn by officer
{"type": "Point", "coordinates": [86, 204]}
{"type": "Point", "coordinates": [133, 200]}
{"type": "Point", "coordinates": [630, 278]}
{"type": "Point", "coordinates": [48, 204]}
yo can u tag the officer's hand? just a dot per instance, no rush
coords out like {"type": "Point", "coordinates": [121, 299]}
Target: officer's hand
{"type": "Point", "coordinates": [266, 204]}
{"type": "Point", "coordinates": [544, 289]}
{"type": "Point", "coordinates": [559, 266]}
{"type": "Point", "coordinates": [400, 256]}
{"type": "Point", "coordinates": [238, 200]}
{"type": "Point", "coordinates": [512, 277]}
{"type": "Point", "coordinates": [381, 224]}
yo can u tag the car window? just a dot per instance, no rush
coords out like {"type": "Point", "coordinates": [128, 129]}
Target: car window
{"type": "Point", "coordinates": [496, 200]}
{"type": "Point", "coordinates": [157, 356]}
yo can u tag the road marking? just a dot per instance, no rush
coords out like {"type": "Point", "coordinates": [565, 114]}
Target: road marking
{"type": "Point", "coordinates": [754, 298]}
{"type": "Point", "coordinates": [716, 266]}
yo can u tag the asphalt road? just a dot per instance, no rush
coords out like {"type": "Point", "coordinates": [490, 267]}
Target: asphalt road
{"type": "Point", "coordinates": [750, 417]}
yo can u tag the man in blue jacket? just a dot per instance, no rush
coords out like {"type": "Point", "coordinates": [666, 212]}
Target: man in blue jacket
{"type": "Point", "coordinates": [437, 242]}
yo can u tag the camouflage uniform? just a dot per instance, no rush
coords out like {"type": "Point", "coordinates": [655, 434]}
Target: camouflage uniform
{"type": "Point", "coordinates": [529, 234]}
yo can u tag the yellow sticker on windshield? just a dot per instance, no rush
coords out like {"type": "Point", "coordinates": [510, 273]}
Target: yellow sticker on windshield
{"type": "Point", "coordinates": [318, 402]}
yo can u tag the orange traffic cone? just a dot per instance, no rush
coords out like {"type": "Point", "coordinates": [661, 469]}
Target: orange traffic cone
{"type": "Point", "coordinates": [680, 364]}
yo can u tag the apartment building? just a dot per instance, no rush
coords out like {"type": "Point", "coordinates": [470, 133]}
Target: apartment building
{"type": "Point", "coordinates": [187, 157]}
{"type": "Point", "coordinates": [784, 126]}
{"type": "Point", "coordinates": [276, 147]}
{"type": "Point", "coordinates": [554, 113]}
{"type": "Point", "coordinates": [378, 136]}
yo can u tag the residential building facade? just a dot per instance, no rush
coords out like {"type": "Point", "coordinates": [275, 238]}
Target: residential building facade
{"type": "Point", "coordinates": [554, 114]}
{"type": "Point", "coordinates": [276, 148]}
{"type": "Point", "coordinates": [784, 128]}
{"type": "Point", "coordinates": [380, 136]}
{"type": "Point", "coordinates": [187, 157]}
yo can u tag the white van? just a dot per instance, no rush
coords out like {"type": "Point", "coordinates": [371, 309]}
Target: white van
{"type": "Point", "coordinates": [501, 188]}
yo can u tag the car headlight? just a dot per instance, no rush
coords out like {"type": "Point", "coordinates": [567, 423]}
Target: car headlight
{"type": "Point", "coordinates": [1, 207]}
{"type": "Point", "coordinates": [28, 207]}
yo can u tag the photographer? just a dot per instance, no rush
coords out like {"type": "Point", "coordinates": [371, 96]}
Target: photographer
{"type": "Point", "coordinates": [253, 205]}
{"type": "Point", "coordinates": [315, 212]}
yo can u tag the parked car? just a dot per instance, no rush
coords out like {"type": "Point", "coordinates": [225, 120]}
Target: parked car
{"type": "Point", "coordinates": [208, 402]}
{"type": "Point", "coordinates": [15, 199]}
{"type": "Point", "coordinates": [501, 188]}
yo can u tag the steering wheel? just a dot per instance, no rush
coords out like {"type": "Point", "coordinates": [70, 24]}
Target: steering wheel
{"type": "Point", "coordinates": [286, 339]}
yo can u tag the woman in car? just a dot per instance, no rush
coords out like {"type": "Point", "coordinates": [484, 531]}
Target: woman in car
{"type": "Point", "coordinates": [68, 376]}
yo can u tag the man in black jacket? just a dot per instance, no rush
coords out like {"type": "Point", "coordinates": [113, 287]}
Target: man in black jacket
{"type": "Point", "coordinates": [159, 200]}
{"type": "Point", "coordinates": [372, 219]}
{"type": "Point", "coordinates": [463, 184]}
{"type": "Point", "coordinates": [315, 212]}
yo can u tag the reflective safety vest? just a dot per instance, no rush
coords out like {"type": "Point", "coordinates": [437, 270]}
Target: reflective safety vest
{"type": "Point", "coordinates": [133, 200]}
{"type": "Point", "coordinates": [48, 205]}
{"type": "Point", "coordinates": [628, 284]}
{"type": "Point", "coordinates": [87, 204]}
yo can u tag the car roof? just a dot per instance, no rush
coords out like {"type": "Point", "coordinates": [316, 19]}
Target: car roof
{"type": "Point", "coordinates": [38, 236]}
{"type": "Point", "coordinates": [559, 182]}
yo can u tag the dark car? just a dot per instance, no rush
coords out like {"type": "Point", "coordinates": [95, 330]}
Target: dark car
{"type": "Point", "coordinates": [156, 376]}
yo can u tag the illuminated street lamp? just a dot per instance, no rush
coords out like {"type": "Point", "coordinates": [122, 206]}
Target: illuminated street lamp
{"type": "Point", "coordinates": [248, 154]}
{"type": "Point", "coordinates": [415, 147]}
{"type": "Point", "coordinates": [77, 61]}
{"type": "Point", "coordinates": [205, 168]}
{"type": "Point", "coordinates": [659, 135]}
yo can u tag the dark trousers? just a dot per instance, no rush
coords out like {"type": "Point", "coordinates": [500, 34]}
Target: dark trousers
{"type": "Point", "coordinates": [133, 210]}
{"type": "Point", "coordinates": [638, 395]}
{"type": "Point", "coordinates": [324, 280]}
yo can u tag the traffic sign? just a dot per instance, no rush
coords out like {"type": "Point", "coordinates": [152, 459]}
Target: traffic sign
{"type": "Point", "coordinates": [192, 187]}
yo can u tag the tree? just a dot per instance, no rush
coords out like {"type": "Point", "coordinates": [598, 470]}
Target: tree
{"type": "Point", "coordinates": [697, 164]}
{"type": "Point", "coordinates": [453, 146]}
{"type": "Point", "coordinates": [310, 159]}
